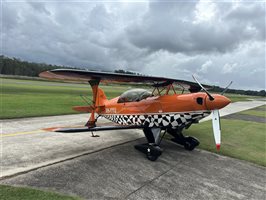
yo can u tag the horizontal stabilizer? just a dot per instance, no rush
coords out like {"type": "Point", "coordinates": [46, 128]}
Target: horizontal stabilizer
{"type": "Point", "coordinates": [87, 109]}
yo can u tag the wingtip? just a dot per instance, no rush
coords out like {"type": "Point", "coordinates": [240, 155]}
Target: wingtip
{"type": "Point", "coordinates": [46, 75]}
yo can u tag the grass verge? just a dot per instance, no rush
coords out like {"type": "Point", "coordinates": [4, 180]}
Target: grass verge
{"type": "Point", "coordinates": [240, 139]}
{"type": "Point", "coordinates": [259, 111]}
{"type": "Point", "coordinates": [15, 193]}
{"type": "Point", "coordinates": [254, 113]}
{"type": "Point", "coordinates": [239, 97]}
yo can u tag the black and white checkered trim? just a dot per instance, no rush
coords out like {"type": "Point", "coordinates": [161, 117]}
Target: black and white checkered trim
{"type": "Point", "coordinates": [158, 120]}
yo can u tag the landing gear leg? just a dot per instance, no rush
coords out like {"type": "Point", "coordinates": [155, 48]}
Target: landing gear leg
{"type": "Point", "coordinates": [188, 142]}
{"type": "Point", "coordinates": [152, 148]}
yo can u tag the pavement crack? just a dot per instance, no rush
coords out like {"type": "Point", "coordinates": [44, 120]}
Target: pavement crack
{"type": "Point", "coordinates": [148, 182]}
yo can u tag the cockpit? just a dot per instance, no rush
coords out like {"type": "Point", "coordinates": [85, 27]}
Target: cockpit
{"type": "Point", "coordinates": [134, 95]}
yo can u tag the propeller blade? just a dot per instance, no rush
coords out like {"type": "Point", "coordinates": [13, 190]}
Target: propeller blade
{"type": "Point", "coordinates": [209, 95]}
{"type": "Point", "coordinates": [216, 128]}
{"type": "Point", "coordinates": [226, 88]}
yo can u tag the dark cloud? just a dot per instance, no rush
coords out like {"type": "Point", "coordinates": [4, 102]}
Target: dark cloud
{"type": "Point", "coordinates": [174, 27]}
{"type": "Point", "coordinates": [217, 41]}
{"type": "Point", "coordinates": [249, 19]}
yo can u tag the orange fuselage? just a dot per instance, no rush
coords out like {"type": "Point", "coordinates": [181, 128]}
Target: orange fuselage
{"type": "Point", "coordinates": [172, 111]}
{"type": "Point", "coordinates": [177, 103]}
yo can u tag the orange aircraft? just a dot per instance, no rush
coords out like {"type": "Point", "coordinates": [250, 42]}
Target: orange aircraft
{"type": "Point", "coordinates": [160, 110]}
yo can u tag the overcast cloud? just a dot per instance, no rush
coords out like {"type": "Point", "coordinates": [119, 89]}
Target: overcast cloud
{"type": "Point", "coordinates": [218, 41]}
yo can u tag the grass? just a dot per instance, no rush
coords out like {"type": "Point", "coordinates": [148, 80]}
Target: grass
{"type": "Point", "coordinates": [241, 139]}
{"type": "Point", "coordinates": [28, 98]}
{"type": "Point", "coordinates": [258, 113]}
{"type": "Point", "coordinates": [244, 140]}
{"type": "Point", "coordinates": [239, 97]}
{"type": "Point", "coordinates": [15, 193]}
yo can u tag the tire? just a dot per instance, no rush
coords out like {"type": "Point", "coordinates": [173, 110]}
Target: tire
{"type": "Point", "coordinates": [151, 157]}
{"type": "Point", "coordinates": [153, 153]}
{"type": "Point", "coordinates": [189, 146]}
{"type": "Point", "coordinates": [191, 143]}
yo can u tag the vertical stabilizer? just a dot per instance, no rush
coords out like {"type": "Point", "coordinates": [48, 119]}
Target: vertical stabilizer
{"type": "Point", "coordinates": [100, 98]}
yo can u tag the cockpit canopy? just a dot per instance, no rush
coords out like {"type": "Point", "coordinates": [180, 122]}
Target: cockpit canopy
{"type": "Point", "coordinates": [134, 95]}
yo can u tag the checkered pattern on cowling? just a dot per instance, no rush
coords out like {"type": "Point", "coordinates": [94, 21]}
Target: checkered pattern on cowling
{"type": "Point", "coordinates": [157, 120]}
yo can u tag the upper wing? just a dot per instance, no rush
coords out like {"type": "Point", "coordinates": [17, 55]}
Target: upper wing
{"type": "Point", "coordinates": [82, 75]}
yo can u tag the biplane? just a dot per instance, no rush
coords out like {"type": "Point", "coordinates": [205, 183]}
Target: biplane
{"type": "Point", "coordinates": [157, 112]}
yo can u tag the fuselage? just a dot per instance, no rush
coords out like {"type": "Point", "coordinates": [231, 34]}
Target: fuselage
{"type": "Point", "coordinates": [177, 110]}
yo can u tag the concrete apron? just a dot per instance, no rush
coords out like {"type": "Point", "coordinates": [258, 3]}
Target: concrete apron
{"type": "Point", "coordinates": [25, 146]}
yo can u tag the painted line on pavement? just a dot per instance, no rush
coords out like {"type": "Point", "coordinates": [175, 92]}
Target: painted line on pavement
{"type": "Point", "coordinates": [22, 133]}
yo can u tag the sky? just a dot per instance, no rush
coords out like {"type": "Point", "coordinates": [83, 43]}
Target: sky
{"type": "Point", "coordinates": [218, 41]}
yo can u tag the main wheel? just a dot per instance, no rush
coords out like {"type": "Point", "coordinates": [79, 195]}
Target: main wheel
{"type": "Point", "coordinates": [190, 143]}
{"type": "Point", "coordinates": [152, 157]}
{"type": "Point", "coordinates": [189, 146]}
{"type": "Point", "coordinates": [153, 152]}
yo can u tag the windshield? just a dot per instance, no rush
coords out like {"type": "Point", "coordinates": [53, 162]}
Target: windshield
{"type": "Point", "coordinates": [134, 95]}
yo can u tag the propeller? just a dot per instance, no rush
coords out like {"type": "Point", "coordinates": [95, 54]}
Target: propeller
{"type": "Point", "coordinates": [216, 125]}
{"type": "Point", "coordinates": [225, 89]}
{"type": "Point", "coordinates": [209, 95]}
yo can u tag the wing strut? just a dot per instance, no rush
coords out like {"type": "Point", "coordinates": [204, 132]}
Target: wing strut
{"type": "Point", "coordinates": [94, 85]}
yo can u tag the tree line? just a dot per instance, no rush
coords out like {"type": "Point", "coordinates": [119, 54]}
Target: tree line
{"type": "Point", "coordinates": [15, 66]}
{"type": "Point", "coordinates": [237, 91]}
